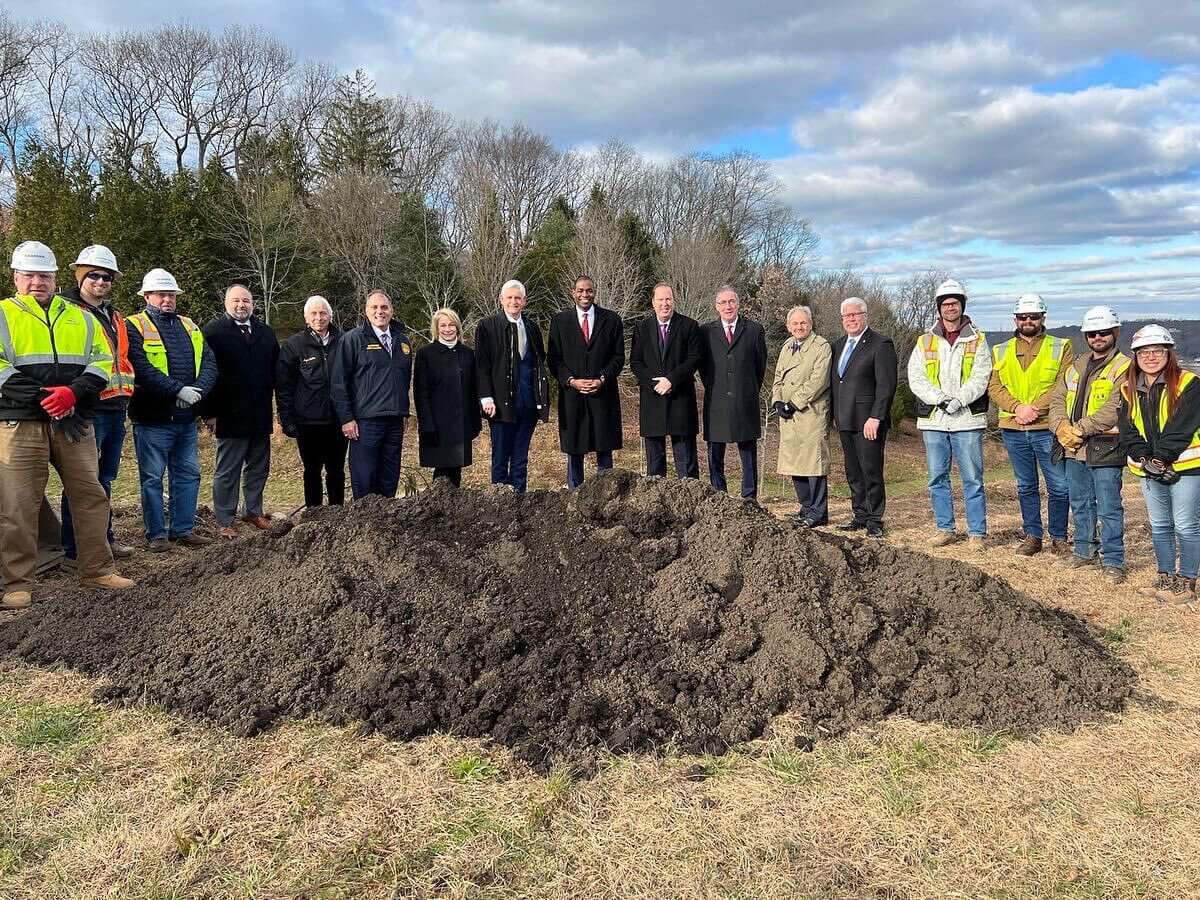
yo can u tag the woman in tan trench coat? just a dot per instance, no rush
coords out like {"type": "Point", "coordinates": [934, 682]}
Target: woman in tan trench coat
{"type": "Point", "coordinates": [801, 400]}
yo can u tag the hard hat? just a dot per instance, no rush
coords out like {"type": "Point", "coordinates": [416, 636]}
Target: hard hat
{"type": "Point", "coordinates": [159, 280]}
{"type": "Point", "coordinates": [1030, 303]}
{"type": "Point", "coordinates": [99, 257]}
{"type": "Point", "coordinates": [949, 288]}
{"type": "Point", "coordinates": [1151, 336]}
{"type": "Point", "coordinates": [1099, 318]}
{"type": "Point", "coordinates": [33, 256]}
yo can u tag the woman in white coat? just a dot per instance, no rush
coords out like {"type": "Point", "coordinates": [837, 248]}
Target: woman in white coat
{"type": "Point", "coordinates": [800, 398]}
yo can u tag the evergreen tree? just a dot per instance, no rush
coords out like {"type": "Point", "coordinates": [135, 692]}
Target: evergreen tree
{"type": "Point", "coordinates": [54, 204]}
{"type": "Point", "coordinates": [130, 210]}
{"type": "Point", "coordinates": [545, 266]}
{"type": "Point", "coordinates": [423, 276]}
{"type": "Point", "coordinates": [358, 136]}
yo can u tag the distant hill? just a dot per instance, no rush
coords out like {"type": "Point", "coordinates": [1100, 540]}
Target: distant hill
{"type": "Point", "coordinates": [1185, 331]}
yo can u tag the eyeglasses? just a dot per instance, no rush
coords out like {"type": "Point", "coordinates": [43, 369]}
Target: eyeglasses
{"type": "Point", "coordinates": [1151, 352]}
{"type": "Point", "coordinates": [1095, 334]}
{"type": "Point", "coordinates": [853, 315]}
{"type": "Point", "coordinates": [99, 276]}
{"type": "Point", "coordinates": [1028, 317]}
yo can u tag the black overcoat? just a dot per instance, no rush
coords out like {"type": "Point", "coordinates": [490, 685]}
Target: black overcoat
{"type": "Point", "coordinates": [241, 399]}
{"type": "Point", "coordinates": [733, 376]}
{"type": "Point", "coordinates": [587, 422]}
{"type": "Point", "coordinates": [496, 364]}
{"type": "Point", "coordinates": [447, 404]}
{"type": "Point", "coordinates": [673, 413]}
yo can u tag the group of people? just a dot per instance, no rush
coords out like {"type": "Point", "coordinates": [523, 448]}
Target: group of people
{"type": "Point", "coordinates": [73, 369]}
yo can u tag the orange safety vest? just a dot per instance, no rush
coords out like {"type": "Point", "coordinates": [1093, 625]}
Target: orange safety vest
{"type": "Point", "coordinates": [121, 384]}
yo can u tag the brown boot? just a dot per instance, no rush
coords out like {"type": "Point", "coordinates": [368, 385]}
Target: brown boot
{"type": "Point", "coordinates": [1030, 546]}
{"type": "Point", "coordinates": [121, 551]}
{"type": "Point", "coordinates": [1059, 547]}
{"type": "Point", "coordinates": [1160, 583]}
{"type": "Point", "coordinates": [1178, 590]}
{"type": "Point", "coordinates": [17, 600]}
{"type": "Point", "coordinates": [943, 539]}
{"type": "Point", "coordinates": [191, 539]}
{"type": "Point", "coordinates": [260, 521]}
{"type": "Point", "coordinates": [110, 582]}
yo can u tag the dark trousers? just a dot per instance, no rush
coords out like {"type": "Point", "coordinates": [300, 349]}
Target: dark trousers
{"type": "Point", "coordinates": [375, 457]}
{"type": "Point", "coordinates": [452, 474]}
{"type": "Point", "coordinates": [510, 451]}
{"type": "Point", "coordinates": [864, 473]}
{"type": "Point", "coordinates": [575, 466]}
{"type": "Point", "coordinates": [812, 493]}
{"type": "Point", "coordinates": [683, 448]}
{"type": "Point", "coordinates": [747, 454]}
{"type": "Point", "coordinates": [323, 448]}
{"type": "Point", "coordinates": [243, 465]}
{"type": "Point", "coordinates": [110, 438]}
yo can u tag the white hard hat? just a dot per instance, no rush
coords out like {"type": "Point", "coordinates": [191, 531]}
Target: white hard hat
{"type": "Point", "coordinates": [1030, 303]}
{"type": "Point", "coordinates": [159, 280]}
{"type": "Point", "coordinates": [949, 288]}
{"type": "Point", "coordinates": [1099, 318]}
{"type": "Point", "coordinates": [98, 256]}
{"type": "Point", "coordinates": [33, 256]}
{"type": "Point", "coordinates": [1151, 336]}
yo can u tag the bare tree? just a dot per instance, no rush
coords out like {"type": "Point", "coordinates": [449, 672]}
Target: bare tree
{"type": "Point", "coordinates": [65, 127]}
{"type": "Point", "coordinates": [16, 49]}
{"type": "Point", "coordinates": [425, 139]}
{"type": "Point", "coordinates": [697, 265]}
{"type": "Point", "coordinates": [122, 91]}
{"type": "Point", "coordinates": [353, 213]}
{"type": "Point", "coordinates": [184, 65]}
{"type": "Point", "coordinates": [256, 71]}
{"type": "Point", "coordinates": [489, 257]}
{"type": "Point", "coordinates": [618, 170]}
{"type": "Point", "coordinates": [911, 311]}
{"type": "Point", "coordinates": [602, 252]}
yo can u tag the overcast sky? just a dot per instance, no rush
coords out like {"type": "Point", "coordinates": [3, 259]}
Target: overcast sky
{"type": "Point", "coordinates": [1046, 147]}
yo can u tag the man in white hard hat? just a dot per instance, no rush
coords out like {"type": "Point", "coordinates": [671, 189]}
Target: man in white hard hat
{"type": "Point", "coordinates": [948, 373]}
{"type": "Point", "coordinates": [1083, 417]}
{"type": "Point", "coordinates": [95, 271]}
{"type": "Point", "coordinates": [1025, 369]}
{"type": "Point", "coordinates": [54, 362]}
{"type": "Point", "coordinates": [174, 369]}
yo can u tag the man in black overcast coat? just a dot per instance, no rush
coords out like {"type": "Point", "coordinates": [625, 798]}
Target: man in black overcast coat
{"type": "Point", "coordinates": [863, 383]}
{"type": "Point", "coordinates": [664, 355]}
{"type": "Point", "coordinates": [733, 368]}
{"type": "Point", "coordinates": [586, 355]}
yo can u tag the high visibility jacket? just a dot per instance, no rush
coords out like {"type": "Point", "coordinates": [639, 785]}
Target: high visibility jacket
{"type": "Point", "coordinates": [1099, 389]}
{"type": "Point", "coordinates": [1190, 457]}
{"type": "Point", "coordinates": [152, 342]}
{"type": "Point", "coordinates": [49, 346]}
{"type": "Point", "coordinates": [939, 370]}
{"type": "Point", "coordinates": [1026, 385]}
{"type": "Point", "coordinates": [113, 323]}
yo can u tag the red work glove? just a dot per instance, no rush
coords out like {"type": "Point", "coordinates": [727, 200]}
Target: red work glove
{"type": "Point", "coordinates": [59, 401]}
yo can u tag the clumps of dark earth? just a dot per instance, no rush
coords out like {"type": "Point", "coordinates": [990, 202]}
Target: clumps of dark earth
{"type": "Point", "coordinates": [628, 615]}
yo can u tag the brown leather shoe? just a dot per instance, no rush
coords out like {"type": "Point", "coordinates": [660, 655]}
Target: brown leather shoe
{"type": "Point", "coordinates": [121, 551]}
{"type": "Point", "coordinates": [17, 600]}
{"type": "Point", "coordinates": [1060, 547]}
{"type": "Point", "coordinates": [110, 582]}
{"type": "Point", "coordinates": [263, 522]}
{"type": "Point", "coordinates": [158, 545]}
{"type": "Point", "coordinates": [191, 539]}
{"type": "Point", "coordinates": [229, 532]}
{"type": "Point", "coordinates": [1030, 546]}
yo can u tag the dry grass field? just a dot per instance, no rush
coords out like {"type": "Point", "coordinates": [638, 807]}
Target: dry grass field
{"type": "Point", "coordinates": [135, 803]}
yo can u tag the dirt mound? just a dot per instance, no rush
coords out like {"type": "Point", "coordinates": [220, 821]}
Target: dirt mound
{"type": "Point", "coordinates": [624, 615]}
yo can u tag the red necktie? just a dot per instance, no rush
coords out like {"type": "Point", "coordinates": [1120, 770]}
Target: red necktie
{"type": "Point", "coordinates": [587, 335]}
{"type": "Point", "coordinates": [729, 334]}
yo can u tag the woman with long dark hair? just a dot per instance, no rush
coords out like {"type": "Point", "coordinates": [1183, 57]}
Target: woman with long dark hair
{"type": "Point", "coordinates": [1160, 431]}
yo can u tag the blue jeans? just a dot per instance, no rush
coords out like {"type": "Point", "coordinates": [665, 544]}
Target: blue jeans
{"type": "Point", "coordinates": [110, 438]}
{"type": "Point", "coordinates": [941, 448]}
{"type": "Point", "coordinates": [1096, 496]}
{"type": "Point", "coordinates": [1029, 451]}
{"type": "Point", "coordinates": [510, 450]}
{"type": "Point", "coordinates": [168, 449]}
{"type": "Point", "coordinates": [1175, 517]}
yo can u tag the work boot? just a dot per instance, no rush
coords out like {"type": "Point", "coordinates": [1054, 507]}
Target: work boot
{"type": "Point", "coordinates": [16, 600]}
{"type": "Point", "coordinates": [259, 521]}
{"type": "Point", "coordinates": [110, 582]}
{"type": "Point", "coordinates": [1059, 546]}
{"type": "Point", "coordinates": [158, 545]}
{"type": "Point", "coordinates": [191, 539]}
{"type": "Point", "coordinates": [943, 539]}
{"type": "Point", "coordinates": [1078, 562]}
{"type": "Point", "coordinates": [1029, 546]}
{"type": "Point", "coordinates": [977, 543]}
{"type": "Point", "coordinates": [1113, 575]}
{"type": "Point", "coordinates": [1160, 583]}
{"type": "Point", "coordinates": [121, 551]}
{"type": "Point", "coordinates": [1178, 590]}
{"type": "Point", "coordinates": [229, 532]}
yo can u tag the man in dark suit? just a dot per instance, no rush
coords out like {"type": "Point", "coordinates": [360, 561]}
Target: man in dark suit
{"type": "Point", "coordinates": [863, 383]}
{"type": "Point", "coordinates": [239, 409]}
{"type": "Point", "coordinates": [733, 367]}
{"type": "Point", "coordinates": [586, 354]}
{"type": "Point", "coordinates": [514, 393]}
{"type": "Point", "coordinates": [664, 356]}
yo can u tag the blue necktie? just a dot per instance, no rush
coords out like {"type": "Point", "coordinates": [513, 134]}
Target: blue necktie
{"type": "Point", "coordinates": [850, 342]}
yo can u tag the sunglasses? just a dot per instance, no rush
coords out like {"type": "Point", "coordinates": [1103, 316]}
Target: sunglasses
{"type": "Point", "coordinates": [1028, 317]}
{"type": "Point", "coordinates": [99, 276]}
{"type": "Point", "coordinates": [1095, 334]}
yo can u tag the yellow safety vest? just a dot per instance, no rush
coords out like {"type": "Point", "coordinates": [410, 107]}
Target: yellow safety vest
{"type": "Point", "coordinates": [33, 336]}
{"type": "Point", "coordinates": [156, 350]}
{"type": "Point", "coordinates": [1099, 390]}
{"type": "Point", "coordinates": [1026, 385]}
{"type": "Point", "coordinates": [929, 343]}
{"type": "Point", "coordinates": [1190, 457]}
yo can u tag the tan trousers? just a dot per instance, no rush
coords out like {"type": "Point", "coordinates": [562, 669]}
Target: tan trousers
{"type": "Point", "coordinates": [27, 450]}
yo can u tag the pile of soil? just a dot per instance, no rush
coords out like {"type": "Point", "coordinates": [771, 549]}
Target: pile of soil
{"type": "Point", "coordinates": [624, 615]}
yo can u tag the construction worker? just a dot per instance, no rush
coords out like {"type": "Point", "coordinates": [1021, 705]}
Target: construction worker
{"type": "Point", "coordinates": [1024, 371]}
{"type": "Point", "coordinates": [948, 373]}
{"type": "Point", "coordinates": [175, 369]}
{"type": "Point", "coordinates": [1083, 418]}
{"type": "Point", "coordinates": [54, 362]}
{"type": "Point", "coordinates": [1160, 433]}
{"type": "Point", "coordinates": [95, 271]}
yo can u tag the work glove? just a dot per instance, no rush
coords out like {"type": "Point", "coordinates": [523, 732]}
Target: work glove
{"type": "Point", "coordinates": [73, 428]}
{"type": "Point", "coordinates": [1160, 471]}
{"type": "Point", "coordinates": [187, 396]}
{"type": "Point", "coordinates": [59, 401]}
{"type": "Point", "coordinates": [1068, 436]}
{"type": "Point", "coordinates": [952, 406]}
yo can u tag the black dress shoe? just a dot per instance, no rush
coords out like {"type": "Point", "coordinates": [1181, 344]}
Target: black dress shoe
{"type": "Point", "coordinates": [852, 526]}
{"type": "Point", "coordinates": [875, 531]}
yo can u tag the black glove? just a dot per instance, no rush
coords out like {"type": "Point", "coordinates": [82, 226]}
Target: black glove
{"type": "Point", "coordinates": [1160, 471]}
{"type": "Point", "coordinates": [74, 428]}
{"type": "Point", "coordinates": [784, 410]}
{"type": "Point", "coordinates": [289, 429]}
